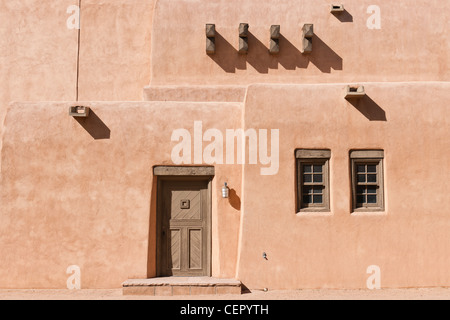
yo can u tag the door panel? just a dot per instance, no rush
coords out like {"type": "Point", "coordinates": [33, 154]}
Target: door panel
{"type": "Point", "coordinates": [174, 254]}
{"type": "Point", "coordinates": [184, 228]}
{"type": "Point", "coordinates": [195, 248]}
{"type": "Point", "coordinates": [185, 205]}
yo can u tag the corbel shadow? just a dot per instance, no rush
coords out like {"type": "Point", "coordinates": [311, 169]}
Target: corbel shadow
{"type": "Point", "coordinates": [94, 126]}
{"type": "Point", "coordinates": [289, 57]}
{"type": "Point", "coordinates": [344, 16]}
{"type": "Point", "coordinates": [226, 56]}
{"type": "Point", "coordinates": [369, 108]}
{"type": "Point", "coordinates": [258, 55]}
{"type": "Point", "coordinates": [323, 57]}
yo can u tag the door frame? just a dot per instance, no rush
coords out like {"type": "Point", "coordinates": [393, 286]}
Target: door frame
{"type": "Point", "coordinates": [159, 214]}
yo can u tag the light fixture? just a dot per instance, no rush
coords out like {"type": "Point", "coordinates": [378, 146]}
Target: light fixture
{"type": "Point", "coordinates": [225, 191]}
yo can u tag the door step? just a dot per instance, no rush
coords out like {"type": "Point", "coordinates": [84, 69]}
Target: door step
{"type": "Point", "coordinates": [176, 286]}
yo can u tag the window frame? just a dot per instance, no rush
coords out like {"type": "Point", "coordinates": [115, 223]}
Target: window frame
{"type": "Point", "coordinates": [368, 157]}
{"type": "Point", "coordinates": [313, 157]}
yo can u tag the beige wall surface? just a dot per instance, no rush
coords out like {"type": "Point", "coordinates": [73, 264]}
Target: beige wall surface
{"type": "Point", "coordinates": [409, 241]}
{"type": "Point", "coordinates": [38, 53]}
{"type": "Point", "coordinates": [80, 192]}
{"type": "Point", "coordinates": [118, 55]}
{"type": "Point", "coordinates": [344, 48]}
{"type": "Point", "coordinates": [84, 194]}
{"type": "Point", "coordinates": [115, 48]}
{"type": "Point", "coordinates": [39, 56]}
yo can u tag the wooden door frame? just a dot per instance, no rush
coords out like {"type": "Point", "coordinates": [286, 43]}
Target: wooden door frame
{"type": "Point", "coordinates": [159, 212]}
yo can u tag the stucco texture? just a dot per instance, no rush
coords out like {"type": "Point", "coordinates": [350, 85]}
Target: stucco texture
{"type": "Point", "coordinates": [409, 240]}
{"type": "Point", "coordinates": [411, 45]}
{"type": "Point", "coordinates": [82, 192]}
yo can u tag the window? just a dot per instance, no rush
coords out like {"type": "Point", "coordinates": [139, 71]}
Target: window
{"type": "Point", "coordinates": [367, 180]}
{"type": "Point", "coordinates": [312, 180]}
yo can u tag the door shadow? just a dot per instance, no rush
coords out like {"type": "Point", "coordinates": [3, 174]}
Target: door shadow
{"type": "Point", "coordinates": [152, 258]}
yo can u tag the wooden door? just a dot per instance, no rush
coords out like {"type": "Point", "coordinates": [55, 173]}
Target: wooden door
{"type": "Point", "coordinates": [184, 228]}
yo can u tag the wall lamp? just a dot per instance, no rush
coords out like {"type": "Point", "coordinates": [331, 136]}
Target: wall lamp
{"type": "Point", "coordinates": [225, 191]}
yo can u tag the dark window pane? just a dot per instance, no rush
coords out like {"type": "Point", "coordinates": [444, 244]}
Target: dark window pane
{"type": "Point", "coordinates": [371, 178]}
{"type": "Point", "coordinates": [361, 178]}
{"type": "Point", "coordinates": [307, 199]}
{"type": "Point", "coordinates": [361, 199]}
{"type": "Point", "coordinates": [361, 169]}
{"type": "Point", "coordinates": [371, 190]}
{"type": "Point", "coordinates": [318, 199]}
{"type": "Point", "coordinates": [318, 178]}
{"type": "Point", "coordinates": [318, 169]}
{"type": "Point", "coordinates": [372, 168]}
{"type": "Point", "coordinates": [307, 190]}
{"type": "Point", "coordinates": [307, 178]}
{"type": "Point", "coordinates": [307, 169]}
{"type": "Point", "coordinates": [371, 199]}
{"type": "Point", "coordinates": [361, 190]}
{"type": "Point", "coordinates": [318, 190]}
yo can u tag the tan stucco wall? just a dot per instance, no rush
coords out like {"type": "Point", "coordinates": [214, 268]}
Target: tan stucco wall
{"type": "Point", "coordinates": [70, 199]}
{"type": "Point", "coordinates": [409, 241]}
{"type": "Point", "coordinates": [38, 53]}
{"type": "Point", "coordinates": [115, 49]}
{"type": "Point", "coordinates": [67, 198]}
{"type": "Point", "coordinates": [411, 45]}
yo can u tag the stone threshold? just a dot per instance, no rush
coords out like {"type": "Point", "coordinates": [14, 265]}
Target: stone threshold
{"type": "Point", "coordinates": [175, 286]}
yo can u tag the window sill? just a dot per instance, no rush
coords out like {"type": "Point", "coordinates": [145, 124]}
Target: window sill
{"type": "Point", "coordinates": [314, 213]}
{"type": "Point", "coordinates": [369, 212]}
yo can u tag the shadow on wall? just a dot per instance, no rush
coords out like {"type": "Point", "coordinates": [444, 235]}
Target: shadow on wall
{"type": "Point", "coordinates": [234, 200]}
{"type": "Point", "coordinates": [369, 108]}
{"type": "Point", "coordinates": [151, 255]}
{"type": "Point", "coordinates": [95, 126]}
{"type": "Point", "coordinates": [344, 16]}
{"type": "Point", "coordinates": [289, 57]}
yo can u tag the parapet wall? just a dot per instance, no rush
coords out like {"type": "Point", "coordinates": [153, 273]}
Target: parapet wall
{"type": "Point", "coordinates": [383, 41]}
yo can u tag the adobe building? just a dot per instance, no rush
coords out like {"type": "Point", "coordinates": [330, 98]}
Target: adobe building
{"type": "Point", "coordinates": [328, 123]}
